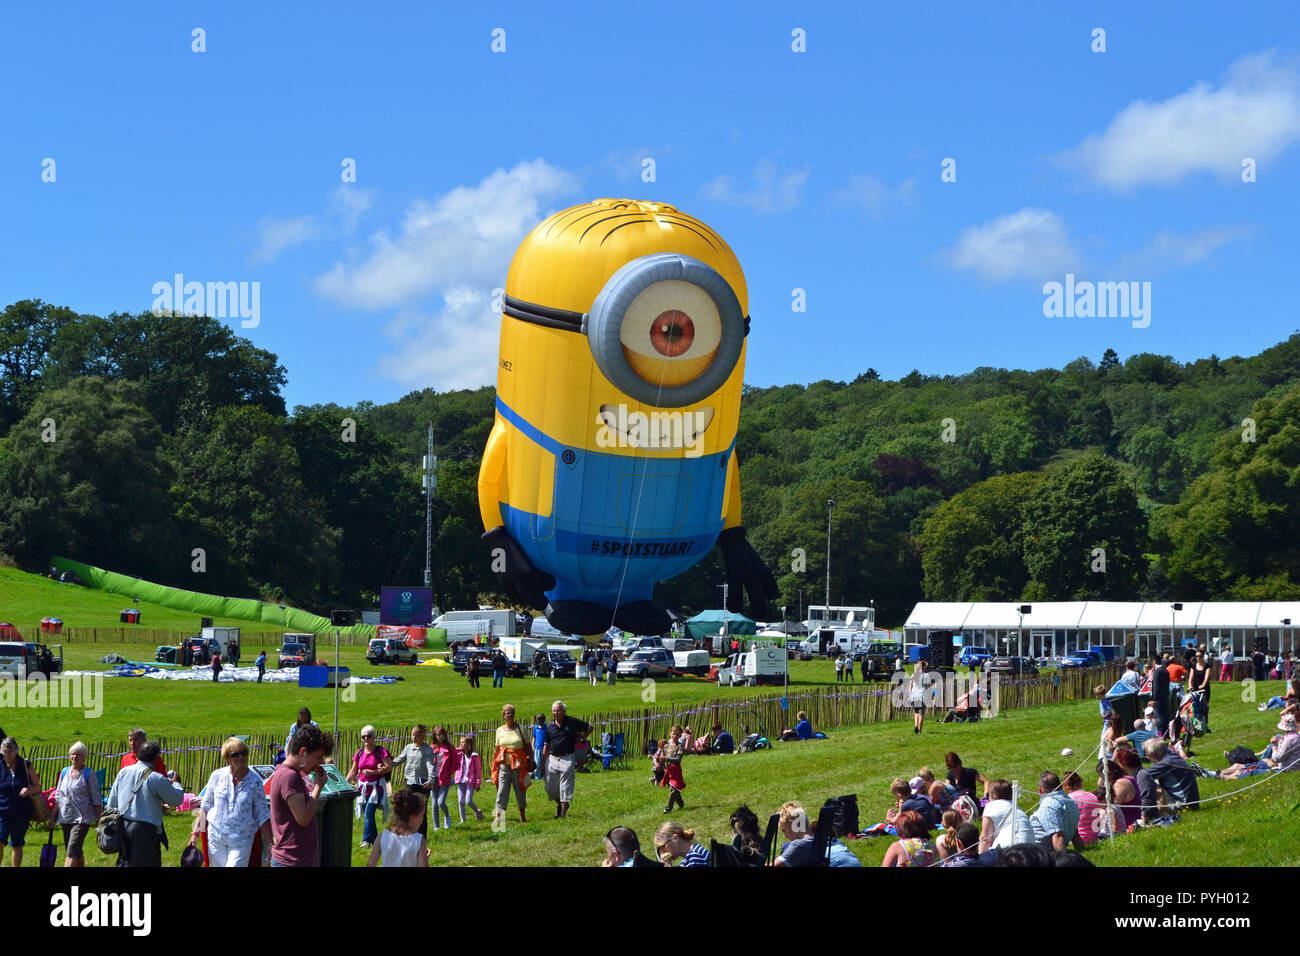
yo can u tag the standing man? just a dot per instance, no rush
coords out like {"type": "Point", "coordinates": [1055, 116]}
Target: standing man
{"type": "Point", "coordinates": [261, 666]}
{"type": "Point", "coordinates": [611, 669]}
{"type": "Point", "coordinates": [593, 674]}
{"type": "Point", "coordinates": [848, 668]}
{"type": "Point", "coordinates": [499, 665]}
{"type": "Point", "coordinates": [1257, 662]}
{"type": "Point", "coordinates": [293, 803]}
{"type": "Point", "coordinates": [471, 670]}
{"type": "Point", "coordinates": [562, 734]}
{"type": "Point", "coordinates": [839, 669]}
{"type": "Point", "coordinates": [136, 740]}
{"type": "Point", "coordinates": [216, 666]}
{"type": "Point", "coordinates": [1160, 693]}
{"type": "Point", "coordinates": [139, 793]}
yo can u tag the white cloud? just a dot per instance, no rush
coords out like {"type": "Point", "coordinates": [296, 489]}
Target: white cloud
{"type": "Point", "coordinates": [276, 235]}
{"type": "Point", "coordinates": [871, 194]}
{"type": "Point", "coordinates": [465, 238]}
{"type": "Point", "coordinates": [1167, 251]}
{"type": "Point", "coordinates": [1030, 244]}
{"type": "Point", "coordinates": [773, 190]}
{"type": "Point", "coordinates": [1254, 112]}
{"type": "Point", "coordinates": [456, 248]}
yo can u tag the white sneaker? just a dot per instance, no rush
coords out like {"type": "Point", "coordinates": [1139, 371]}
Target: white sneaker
{"type": "Point", "coordinates": [365, 845]}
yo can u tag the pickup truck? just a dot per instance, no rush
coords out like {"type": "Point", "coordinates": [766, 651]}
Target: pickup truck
{"type": "Point", "coordinates": [973, 656]}
{"type": "Point", "coordinates": [1087, 658]}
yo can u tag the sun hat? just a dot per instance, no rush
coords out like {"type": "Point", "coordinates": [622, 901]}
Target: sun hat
{"type": "Point", "coordinates": [1287, 724]}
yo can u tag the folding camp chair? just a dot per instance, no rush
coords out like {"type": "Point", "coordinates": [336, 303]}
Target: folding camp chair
{"type": "Point", "coordinates": [823, 835]}
{"type": "Point", "coordinates": [769, 838]}
{"type": "Point", "coordinates": [614, 754]}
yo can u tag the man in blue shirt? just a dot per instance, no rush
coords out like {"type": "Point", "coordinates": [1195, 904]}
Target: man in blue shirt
{"type": "Point", "coordinates": [261, 665]}
{"type": "Point", "coordinates": [1138, 737]}
{"type": "Point", "coordinates": [1056, 821]}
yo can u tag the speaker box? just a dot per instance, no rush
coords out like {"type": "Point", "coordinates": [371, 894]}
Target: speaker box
{"type": "Point", "coordinates": [1261, 642]}
{"type": "Point", "coordinates": [941, 650]}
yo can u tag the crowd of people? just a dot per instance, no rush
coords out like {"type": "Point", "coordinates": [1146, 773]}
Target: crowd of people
{"type": "Point", "coordinates": [1143, 777]}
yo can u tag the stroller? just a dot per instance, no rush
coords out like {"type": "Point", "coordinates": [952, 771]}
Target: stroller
{"type": "Point", "coordinates": [1190, 721]}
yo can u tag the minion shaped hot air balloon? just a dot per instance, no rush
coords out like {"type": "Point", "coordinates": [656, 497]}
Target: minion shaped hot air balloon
{"type": "Point", "coordinates": [611, 464]}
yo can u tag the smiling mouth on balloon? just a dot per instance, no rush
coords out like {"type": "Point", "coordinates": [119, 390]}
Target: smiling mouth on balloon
{"type": "Point", "coordinates": [656, 430]}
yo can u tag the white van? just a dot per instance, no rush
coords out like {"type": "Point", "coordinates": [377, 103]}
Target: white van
{"type": "Point", "coordinates": [765, 664]}
{"type": "Point", "coordinates": [463, 625]}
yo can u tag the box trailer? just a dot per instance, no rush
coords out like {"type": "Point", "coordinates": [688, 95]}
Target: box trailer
{"type": "Point", "coordinates": [765, 663]}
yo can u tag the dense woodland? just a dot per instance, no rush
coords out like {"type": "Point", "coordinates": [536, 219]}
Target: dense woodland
{"type": "Point", "coordinates": [132, 440]}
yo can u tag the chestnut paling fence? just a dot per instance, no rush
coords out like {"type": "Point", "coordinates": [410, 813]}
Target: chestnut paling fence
{"type": "Point", "coordinates": [154, 636]}
{"type": "Point", "coordinates": [195, 756]}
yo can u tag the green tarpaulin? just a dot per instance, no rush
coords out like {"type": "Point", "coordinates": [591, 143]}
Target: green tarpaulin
{"type": "Point", "coordinates": [707, 623]}
{"type": "Point", "coordinates": [205, 605]}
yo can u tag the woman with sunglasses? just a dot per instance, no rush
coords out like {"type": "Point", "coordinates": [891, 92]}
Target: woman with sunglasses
{"type": "Point", "coordinates": [234, 810]}
{"type": "Point", "coordinates": [370, 767]}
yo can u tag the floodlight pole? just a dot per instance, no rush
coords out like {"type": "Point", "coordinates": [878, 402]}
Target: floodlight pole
{"type": "Point", "coordinates": [336, 684]}
{"type": "Point", "coordinates": [830, 503]}
{"type": "Point", "coordinates": [430, 482]}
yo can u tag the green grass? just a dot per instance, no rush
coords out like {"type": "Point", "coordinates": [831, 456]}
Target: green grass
{"type": "Point", "coordinates": [26, 598]}
{"type": "Point", "coordinates": [1257, 828]}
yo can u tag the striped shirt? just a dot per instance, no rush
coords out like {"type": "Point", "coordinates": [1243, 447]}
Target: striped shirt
{"type": "Point", "coordinates": [696, 856]}
{"type": "Point", "coordinates": [1091, 814]}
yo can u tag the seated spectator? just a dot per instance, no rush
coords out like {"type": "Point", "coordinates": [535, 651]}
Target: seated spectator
{"type": "Point", "coordinates": [793, 821]}
{"type": "Point", "coordinates": [939, 797]}
{"type": "Point", "coordinates": [1026, 855]}
{"type": "Point", "coordinates": [748, 840]}
{"type": "Point", "coordinates": [840, 855]}
{"type": "Point", "coordinates": [1170, 773]}
{"type": "Point", "coordinates": [946, 844]}
{"type": "Point", "coordinates": [963, 779]}
{"type": "Point", "coordinates": [623, 849]}
{"type": "Point", "coordinates": [1123, 793]}
{"type": "Point", "coordinates": [672, 842]}
{"type": "Point", "coordinates": [913, 847]}
{"type": "Point", "coordinates": [803, 729]}
{"type": "Point", "coordinates": [1092, 811]}
{"type": "Point", "coordinates": [907, 801]}
{"type": "Point", "coordinates": [1285, 754]}
{"type": "Point", "coordinates": [1139, 735]}
{"type": "Point", "coordinates": [1130, 760]}
{"type": "Point", "coordinates": [1149, 720]}
{"type": "Point", "coordinates": [723, 743]}
{"type": "Point", "coordinates": [1114, 731]}
{"type": "Point", "coordinates": [1003, 824]}
{"type": "Point", "coordinates": [1056, 821]}
{"type": "Point", "coordinates": [967, 840]}
{"type": "Point", "coordinates": [1275, 702]}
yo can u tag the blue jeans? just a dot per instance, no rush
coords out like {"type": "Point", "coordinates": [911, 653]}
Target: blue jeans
{"type": "Point", "coordinates": [369, 831]}
{"type": "Point", "coordinates": [1275, 702]}
{"type": "Point", "coordinates": [537, 762]}
{"type": "Point", "coordinates": [498, 679]}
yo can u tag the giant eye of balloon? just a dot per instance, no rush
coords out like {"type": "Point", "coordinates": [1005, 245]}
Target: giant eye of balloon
{"type": "Point", "coordinates": [666, 329]}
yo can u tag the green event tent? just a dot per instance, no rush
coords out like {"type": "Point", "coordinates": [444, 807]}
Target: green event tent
{"type": "Point", "coordinates": [707, 623]}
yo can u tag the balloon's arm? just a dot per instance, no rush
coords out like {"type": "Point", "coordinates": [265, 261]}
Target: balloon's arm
{"type": "Point", "coordinates": [491, 475]}
{"type": "Point", "coordinates": [731, 512]}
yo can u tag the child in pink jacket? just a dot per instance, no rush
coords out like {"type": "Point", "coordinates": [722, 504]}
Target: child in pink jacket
{"type": "Point", "coordinates": [468, 776]}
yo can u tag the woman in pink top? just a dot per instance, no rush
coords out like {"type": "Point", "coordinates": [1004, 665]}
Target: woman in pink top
{"type": "Point", "coordinates": [469, 776]}
{"type": "Point", "coordinates": [370, 766]}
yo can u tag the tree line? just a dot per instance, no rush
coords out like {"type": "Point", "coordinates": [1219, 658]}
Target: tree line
{"type": "Point", "coordinates": [160, 446]}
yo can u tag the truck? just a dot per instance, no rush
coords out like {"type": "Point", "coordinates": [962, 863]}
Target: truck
{"type": "Point", "coordinates": [464, 625]}
{"type": "Point", "coordinates": [296, 649]}
{"type": "Point", "coordinates": [764, 663]}
{"type": "Point", "coordinates": [521, 652]}
{"type": "Point", "coordinates": [227, 639]}
{"type": "Point", "coordinates": [835, 640]}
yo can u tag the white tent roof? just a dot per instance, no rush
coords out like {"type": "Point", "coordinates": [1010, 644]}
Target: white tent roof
{"type": "Point", "coordinates": [1052, 614]}
{"type": "Point", "coordinates": [1099, 614]}
{"type": "Point", "coordinates": [1161, 615]}
{"type": "Point", "coordinates": [1228, 614]}
{"type": "Point", "coordinates": [1271, 613]}
{"type": "Point", "coordinates": [948, 615]}
{"type": "Point", "coordinates": [991, 615]}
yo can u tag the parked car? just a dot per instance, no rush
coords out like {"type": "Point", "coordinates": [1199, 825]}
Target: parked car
{"type": "Point", "coordinates": [877, 659]}
{"type": "Point", "coordinates": [23, 659]}
{"type": "Point", "coordinates": [656, 662]}
{"type": "Point", "coordinates": [461, 659]}
{"type": "Point", "coordinates": [1088, 658]}
{"type": "Point", "coordinates": [390, 650]}
{"type": "Point", "coordinates": [294, 655]}
{"type": "Point", "coordinates": [973, 656]}
{"type": "Point", "coordinates": [553, 662]}
{"type": "Point", "coordinates": [199, 650]}
{"type": "Point", "coordinates": [1018, 666]}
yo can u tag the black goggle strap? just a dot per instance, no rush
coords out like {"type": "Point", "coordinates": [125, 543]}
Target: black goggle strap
{"type": "Point", "coordinates": [561, 319]}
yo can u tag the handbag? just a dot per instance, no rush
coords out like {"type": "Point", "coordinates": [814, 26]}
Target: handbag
{"type": "Point", "coordinates": [49, 852]}
{"type": "Point", "coordinates": [108, 832]}
{"type": "Point", "coordinates": [40, 809]}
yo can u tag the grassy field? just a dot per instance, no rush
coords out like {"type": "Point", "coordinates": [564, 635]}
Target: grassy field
{"type": "Point", "coordinates": [26, 598]}
{"type": "Point", "coordinates": [1258, 827]}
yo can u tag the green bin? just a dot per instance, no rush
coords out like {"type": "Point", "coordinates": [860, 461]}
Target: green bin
{"type": "Point", "coordinates": [334, 814]}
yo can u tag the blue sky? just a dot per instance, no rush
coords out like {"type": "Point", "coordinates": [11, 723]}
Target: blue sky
{"type": "Point", "coordinates": [821, 169]}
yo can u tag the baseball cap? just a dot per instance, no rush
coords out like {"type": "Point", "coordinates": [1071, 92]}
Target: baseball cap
{"type": "Point", "coordinates": [1149, 710]}
{"type": "Point", "coordinates": [916, 783]}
